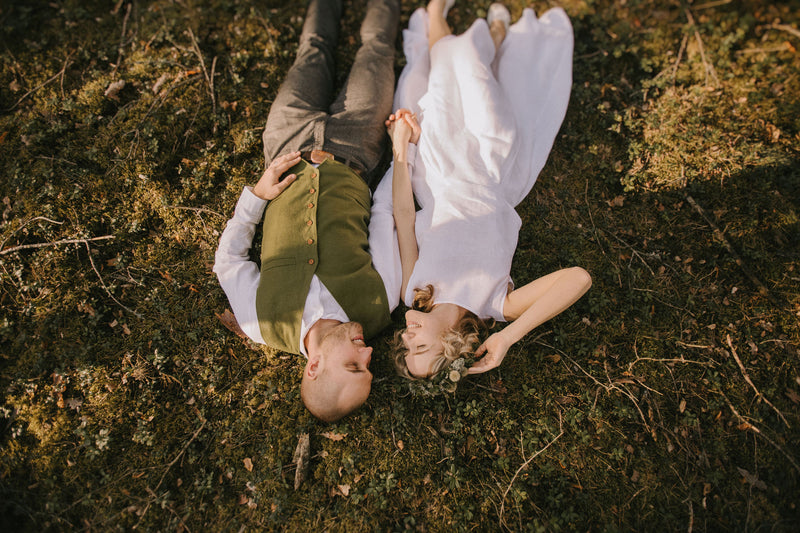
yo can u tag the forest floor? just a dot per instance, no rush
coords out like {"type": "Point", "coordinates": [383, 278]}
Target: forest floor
{"type": "Point", "coordinates": [667, 398]}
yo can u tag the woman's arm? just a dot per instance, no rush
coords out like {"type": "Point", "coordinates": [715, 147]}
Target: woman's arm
{"type": "Point", "coordinates": [530, 306]}
{"type": "Point", "coordinates": [403, 129]}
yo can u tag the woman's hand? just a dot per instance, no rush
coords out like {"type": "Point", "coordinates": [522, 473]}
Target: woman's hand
{"type": "Point", "coordinates": [403, 128]}
{"type": "Point", "coordinates": [494, 348]}
{"type": "Point", "coordinates": [270, 185]}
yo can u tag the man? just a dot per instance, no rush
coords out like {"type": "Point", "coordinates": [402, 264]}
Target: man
{"type": "Point", "coordinates": [318, 292]}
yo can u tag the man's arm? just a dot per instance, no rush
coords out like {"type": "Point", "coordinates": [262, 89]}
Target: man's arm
{"type": "Point", "coordinates": [238, 276]}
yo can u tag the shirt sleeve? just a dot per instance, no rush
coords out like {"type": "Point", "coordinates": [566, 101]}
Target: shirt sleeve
{"type": "Point", "coordinates": [383, 244]}
{"type": "Point", "coordinates": [237, 274]}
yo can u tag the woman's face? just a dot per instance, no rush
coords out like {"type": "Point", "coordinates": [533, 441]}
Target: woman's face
{"type": "Point", "coordinates": [423, 338]}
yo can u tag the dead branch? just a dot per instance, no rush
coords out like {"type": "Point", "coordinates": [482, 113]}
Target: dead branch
{"type": "Point", "coordinates": [608, 388]}
{"type": "Point", "coordinates": [713, 3]}
{"type": "Point", "coordinates": [164, 475]}
{"type": "Point", "coordinates": [34, 219]}
{"type": "Point", "coordinates": [196, 209]}
{"type": "Point", "coordinates": [60, 73]}
{"type": "Point", "coordinates": [721, 236]}
{"type": "Point", "coordinates": [209, 79]}
{"type": "Point", "coordinates": [597, 233]}
{"type": "Point", "coordinates": [682, 49]}
{"type": "Point", "coordinates": [121, 48]}
{"type": "Point", "coordinates": [526, 463]}
{"type": "Point", "coordinates": [786, 27]}
{"type": "Point", "coordinates": [103, 283]}
{"type": "Point", "coordinates": [709, 67]}
{"type": "Point", "coordinates": [54, 243]}
{"type": "Point", "coordinates": [750, 382]}
{"type": "Point", "coordinates": [748, 426]}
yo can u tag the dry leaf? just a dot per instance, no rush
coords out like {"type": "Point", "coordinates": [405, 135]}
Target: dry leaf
{"type": "Point", "coordinates": [114, 88]}
{"type": "Point", "coordinates": [74, 403]}
{"type": "Point", "coordinates": [159, 82]}
{"type": "Point", "coordinates": [229, 321]}
{"type": "Point", "coordinates": [344, 490]}
{"type": "Point", "coordinates": [682, 406]}
{"type": "Point", "coordinates": [752, 479]}
{"type": "Point", "coordinates": [616, 202]}
{"type": "Point", "coordinates": [248, 464]}
{"type": "Point", "coordinates": [400, 445]}
{"type": "Point", "coordinates": [333, 436]}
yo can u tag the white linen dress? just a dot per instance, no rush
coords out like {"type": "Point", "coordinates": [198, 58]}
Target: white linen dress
{"type": "Point", "coordinates": [488, 124]}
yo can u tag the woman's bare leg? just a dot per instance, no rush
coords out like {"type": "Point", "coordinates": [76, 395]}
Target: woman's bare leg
{"type": "Point", "coordinates": [437, 25]}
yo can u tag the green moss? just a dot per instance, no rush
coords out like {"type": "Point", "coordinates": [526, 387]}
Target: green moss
{"type": "Point", "coordinates": [126, 403]}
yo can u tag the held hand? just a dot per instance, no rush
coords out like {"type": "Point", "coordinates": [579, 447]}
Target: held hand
{"type": "Point", "coordinates": [403, 128]}
{"type": "Point", "coordinates": [270, 186]}
{"type": "Point", "coordinates": [494, 348]}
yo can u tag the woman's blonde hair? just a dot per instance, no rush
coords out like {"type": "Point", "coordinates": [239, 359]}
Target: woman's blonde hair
{"type": "Point", "coordinates": [460, 340]}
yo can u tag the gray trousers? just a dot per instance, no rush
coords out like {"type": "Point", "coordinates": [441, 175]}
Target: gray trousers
{"type": "Point", "coordinates": [305, 116]}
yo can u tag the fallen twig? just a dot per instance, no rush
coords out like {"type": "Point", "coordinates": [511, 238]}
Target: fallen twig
{"type": "Point", "coordinates": [103, 283]}
{"type": "Point", "coordinates": [680, 56]}
{"type": "Point", "coordinates": [164, 475]}
{"type": "Point", "coordinates": [55, 76]}
{"type": "Point", "coordinates": [713, 3]}
{"type": "Point", "coordinates": [121, 48]}
{"type": "Point", "coordinates": [209, 79]}
{"type": "Point", "coordinates": [526, 463]}
{"type": "Point", "coordinates": [54, 243]}
{"type": "Point", "coordinates": [750, 382]}
{"type": "Point", "coordinates": [721, 236]}
{"type": "Point", "coordinates": [709, 67]}
{"type": "Point", "coordinates": [611, 386]}
{"type": "Point", "coordinates": [747, 425]}
{"type": "Point", "coordinates": [786, 27]}
{"type": "Point", "coordinates": [196, 209]}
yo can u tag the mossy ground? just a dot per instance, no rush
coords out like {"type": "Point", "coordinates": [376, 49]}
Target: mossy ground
{"type": "Point", "coordinates": [666, 399]}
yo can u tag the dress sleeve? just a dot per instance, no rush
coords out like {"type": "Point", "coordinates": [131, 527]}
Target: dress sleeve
{"type": "Point", "coordinates": [237, 274]}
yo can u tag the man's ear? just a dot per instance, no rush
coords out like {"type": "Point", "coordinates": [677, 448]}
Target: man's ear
{"type": "Point", "coordinates": [312, 367]}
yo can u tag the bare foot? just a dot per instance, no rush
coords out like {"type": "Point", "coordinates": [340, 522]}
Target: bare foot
{"type": "Point", "coordinates": [498, 31]}
{"type": "Point", "coordinates": [499, 19]}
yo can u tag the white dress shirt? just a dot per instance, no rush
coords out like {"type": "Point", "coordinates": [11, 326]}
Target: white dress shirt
{"type": "Point", "coordinates": [239, 276]}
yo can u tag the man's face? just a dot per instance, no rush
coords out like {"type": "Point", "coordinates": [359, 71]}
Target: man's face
{"type": "Point", "coordinates": [346, 363]}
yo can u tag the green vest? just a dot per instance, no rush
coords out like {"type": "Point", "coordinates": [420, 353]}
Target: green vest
{"type": "Point", "coordinates": [318, 225]}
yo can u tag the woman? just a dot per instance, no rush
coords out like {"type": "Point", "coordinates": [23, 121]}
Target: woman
{"type": "Point", "coordinates": [484, 109]}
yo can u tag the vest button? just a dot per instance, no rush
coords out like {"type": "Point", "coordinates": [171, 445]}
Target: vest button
{"type": "Point", "coordinates": [312, 190]}
{"type": "Point", "coordinates": [310, 241]}
{"type": "Point", "coordinates": [308, 223]}
{"type": "Point", "coordinates": [310, 205]}
{"type": "Point", "coordinates": [310, 261]}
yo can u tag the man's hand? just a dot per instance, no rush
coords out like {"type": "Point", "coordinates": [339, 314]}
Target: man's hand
{"type": "Point", "coordinates": [495, 348]}
{"type": "Point", "coordinates": [270, 186]}
{"type": "Point", "coordinates": [403, 128]}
